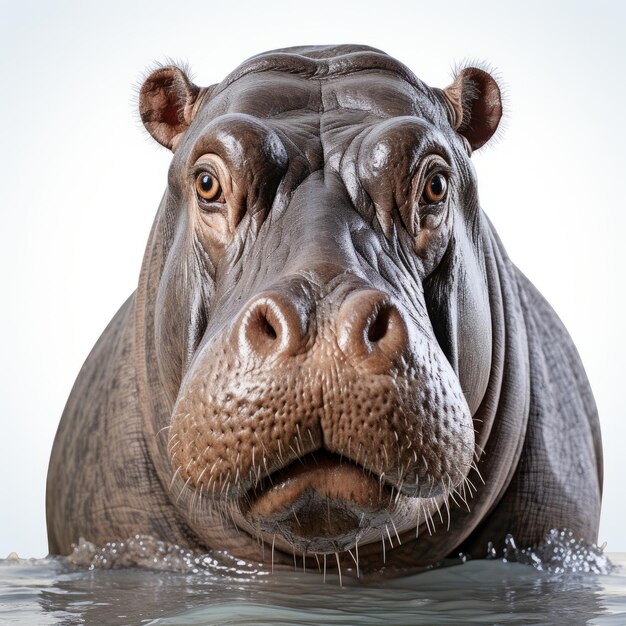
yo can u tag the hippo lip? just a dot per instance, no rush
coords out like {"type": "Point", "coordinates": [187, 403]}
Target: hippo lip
{"type": "Point", "coordinates": [321, 503]}
{"type": "Point", "coordinates": [311, 467]}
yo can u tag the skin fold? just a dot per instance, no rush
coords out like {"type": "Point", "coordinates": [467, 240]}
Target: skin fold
{"type": "Point", "coordinates": [328, 351]}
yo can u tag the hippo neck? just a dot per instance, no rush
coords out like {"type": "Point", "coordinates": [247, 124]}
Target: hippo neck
{"type": "Point", "coordinates": [152, 395]}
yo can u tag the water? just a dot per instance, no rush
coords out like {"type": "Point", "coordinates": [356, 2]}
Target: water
{"type": "Point", "coordinates": [556, 583]}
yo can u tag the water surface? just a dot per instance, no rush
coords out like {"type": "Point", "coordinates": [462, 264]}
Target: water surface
{"type": "Point", "coordinates": [219, 589]}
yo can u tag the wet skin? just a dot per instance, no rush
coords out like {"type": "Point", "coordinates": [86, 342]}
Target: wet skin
{"type": "Point", "coordinates": [328, 344]}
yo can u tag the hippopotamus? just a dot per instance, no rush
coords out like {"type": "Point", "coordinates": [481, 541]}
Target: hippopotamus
{"type": "Point", "coordinates": [329, 352]}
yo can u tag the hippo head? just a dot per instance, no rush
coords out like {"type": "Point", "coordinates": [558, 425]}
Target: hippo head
{"type": "Point", "coordinates": [316, 318]}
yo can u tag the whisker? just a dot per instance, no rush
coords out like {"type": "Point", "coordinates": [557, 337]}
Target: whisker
{"type": "Point", "coordinates": [183, 489]}
{"type": "Point", "coordinates": [384, 553]}
{"type": "Point", "coordinates": [180, 467]}
{"type": "Point", "coordinates": [389, 535]}
{"type": "Point", "coordinates": [356, 562]}
{"type": "Point", "coordinates": [161, 430]}
{"type": "Point", "coordinates": [395, 530]}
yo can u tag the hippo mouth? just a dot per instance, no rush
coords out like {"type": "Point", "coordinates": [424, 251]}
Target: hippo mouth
{"type": "Point", "coordinates": [321, 503]}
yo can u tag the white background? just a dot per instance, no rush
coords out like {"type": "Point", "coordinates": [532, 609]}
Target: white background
{"type": "Point", "coordinates": [80, 180]}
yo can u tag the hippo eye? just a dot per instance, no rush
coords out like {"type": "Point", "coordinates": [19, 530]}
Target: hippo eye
{"type": "Point", "coordinates": [208, 188]}
{"type": "Point", "coordinates": [435, 188]}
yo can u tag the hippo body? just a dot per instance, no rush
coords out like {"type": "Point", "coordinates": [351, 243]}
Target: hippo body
{"type": "Point", "coordinates": [329, 351]}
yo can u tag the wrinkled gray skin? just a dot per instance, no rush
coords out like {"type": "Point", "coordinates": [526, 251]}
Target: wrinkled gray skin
{"type": "Point", "coordinates": [322, 355]}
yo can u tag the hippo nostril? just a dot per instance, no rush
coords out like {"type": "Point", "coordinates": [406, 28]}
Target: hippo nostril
{"type": "Point", "coordinates": [268, 329]}
{"type": "Point", "coordinates": [270, 326]}
{"type": "Point", "coordinates": [380, 325]}
{"type": "Point", "coordinates": [371, 330]}
{"type": "Point", "coordinates": [264, 326]}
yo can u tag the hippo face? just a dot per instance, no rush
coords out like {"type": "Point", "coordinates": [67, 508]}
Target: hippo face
{"type": "Point", "coordinates": [320, 336]}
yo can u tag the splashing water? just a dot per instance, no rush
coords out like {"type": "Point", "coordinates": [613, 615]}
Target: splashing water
{"type": "Point", "coordinates": [150, 553]}
{"type": "Point", "coordinates": [559, 552]}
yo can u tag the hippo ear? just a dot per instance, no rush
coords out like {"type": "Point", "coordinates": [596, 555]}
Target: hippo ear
{"type": "Point", "coordinates": [167, 104]}
{"type": "Point", "coordinates": [475, 105]}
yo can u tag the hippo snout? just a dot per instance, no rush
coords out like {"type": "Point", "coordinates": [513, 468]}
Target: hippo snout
{"type": "Point", "coordinates": [314, 395]}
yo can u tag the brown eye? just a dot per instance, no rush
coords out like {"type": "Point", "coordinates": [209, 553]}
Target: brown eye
{"type": "Point", "coordinates": [208, 188]}
{"type": "Point", "coordinates": [435, 189]}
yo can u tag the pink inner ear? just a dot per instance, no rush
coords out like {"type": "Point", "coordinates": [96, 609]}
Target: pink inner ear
{"type": "Point", "coordinates": [162, 101]}
{"type": "Point", "coordinates": [160, 104]}
{"type": "Point", "coordinates": [170, 113]}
